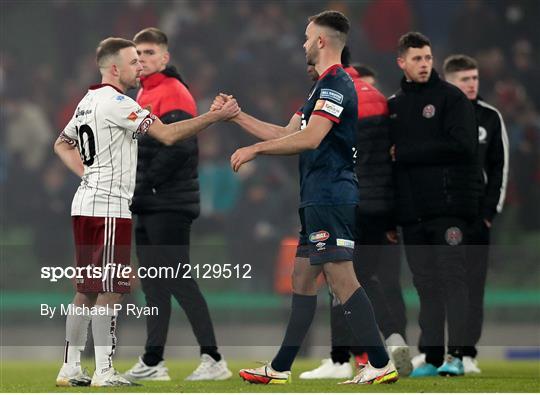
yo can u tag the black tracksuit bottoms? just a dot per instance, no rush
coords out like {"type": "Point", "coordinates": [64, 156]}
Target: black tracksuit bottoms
{"type": "Point", "coordinates": [477, 267]}
{"type": "Point", "coordinates": [436, 254]}
{"type": "Point", "coordinates": [163, 241]}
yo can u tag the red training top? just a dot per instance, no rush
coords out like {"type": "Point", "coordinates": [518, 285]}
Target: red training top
{"type": "Point", "coordinates": [165, 94]}
{"type": "Point", "coordinates": [371, 102]}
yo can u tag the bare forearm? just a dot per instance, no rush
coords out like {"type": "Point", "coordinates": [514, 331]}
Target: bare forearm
{"type": "Point", "coordinates": [171, 133]}
{"type": "Point", "coordinates": [71, 158]}
{"type": "Point", "coordinates": [288, 145]}
{"type": "Point", "coordinates": [260, 129]}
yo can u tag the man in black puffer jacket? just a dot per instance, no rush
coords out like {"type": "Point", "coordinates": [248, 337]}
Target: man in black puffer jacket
{"type": "Point", "coordinates": [437, 181]}
{"type": "Point", "coordinates": [166, 201]}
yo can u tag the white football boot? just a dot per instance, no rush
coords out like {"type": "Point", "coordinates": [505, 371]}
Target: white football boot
{"type": "Point", "coordinates": [399, 353]}
{"type": "Point", "coordinates": [418, 360]}
{"type": "Point", "coordinates": [370, 375]}
{"type": "Point", "coordinates": [73, 377]}
{"type": "Point", "coordinates": [470, 365]}
{"type": "Point", "coordinates": [209, 369]}
{"type": "Point", "coordinates": [111, 379]}
{"type": "Point", "coordinates": [329, 370]}
{"type": "Point", "coordinates": [141, 371]}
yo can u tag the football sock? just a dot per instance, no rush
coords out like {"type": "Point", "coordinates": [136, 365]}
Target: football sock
{"type": "Point", "coordinates": [359, 314]}
{"type": "Point", "coordinates": [76, 334]}
{"type": "Point", "coordinates": [340, 332]}
{"type": "Point", "coordinates": [302, 313]}
{"type": "Point", "coordinates": [104, 331]}
{"type": "Point", "coordinates": [212, 351]}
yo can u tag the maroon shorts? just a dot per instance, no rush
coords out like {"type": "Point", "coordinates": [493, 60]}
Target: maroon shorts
{"type": "Point", "coordinates": [103, 247]}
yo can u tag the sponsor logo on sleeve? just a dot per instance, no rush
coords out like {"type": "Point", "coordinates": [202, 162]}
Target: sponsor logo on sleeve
{"type": "Point", "coordinates": [331, 95]}
{"type": "Point", "coordinates": [319, 105]}
{"type": "Point", "coordinates": [120, 97]}
{"type": "Point", "coordinates": [320, 235]}
{"type": "Point", "coordinates": [132, 117]}
{"type": "Point", "coordinates": [332, 108]}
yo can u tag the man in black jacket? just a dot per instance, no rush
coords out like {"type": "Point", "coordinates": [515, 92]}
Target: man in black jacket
{"type": "Point", "coordinates": [166, 201]}
{"type": "Point", "coordinates": [437, 183]}
{"type": "Point", "coordinates": [462, 71]}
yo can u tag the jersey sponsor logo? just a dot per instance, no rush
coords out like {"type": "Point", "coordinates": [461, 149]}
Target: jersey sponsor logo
{"type": "Point", "coordinates": [329, 107]}
{"type": "Point", "coordinates": [332, 95]}
{"type": "Point", "coordinates": [345, 243]}
{"type": "Point", "coordinates": [82, 112]}
{"type": "Point", "coordinates": [120, 97]}
{"type": "Point", "coordinates": [428, 111]}
{"type": "Point", "coordinates": [320, 246]}
{"type": "Point", "coordinates": [132, 117]}
{"type": "Point", "coordinates": [320, 235]}
{"type": "Point", "coordinates": [453, 236]}
{"type": "Point", "coordinates": [482, 134]}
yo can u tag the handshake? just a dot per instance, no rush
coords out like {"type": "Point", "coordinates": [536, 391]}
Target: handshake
{"type": "Point", "coordinates": [225, 106]}
{"type": "Point", "coordinates": [228, 108]}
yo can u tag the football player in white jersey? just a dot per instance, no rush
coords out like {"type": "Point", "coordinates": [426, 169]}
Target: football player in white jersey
{"type": "Point", "coordinates": [99, 144]}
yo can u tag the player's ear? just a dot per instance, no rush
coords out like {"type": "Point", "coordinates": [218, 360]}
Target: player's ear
{"type": "Point", "coordinates": [321, 42]}
{"type": "Point", "coordinates": [166, 57]}
{"type": "Point", "coordinates": [114, 69]}
{"type": "Point", "coordinates": [401, 62]}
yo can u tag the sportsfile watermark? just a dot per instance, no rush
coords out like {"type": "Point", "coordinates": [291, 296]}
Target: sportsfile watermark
{"type": "Point", "coordinates": [119, 271]}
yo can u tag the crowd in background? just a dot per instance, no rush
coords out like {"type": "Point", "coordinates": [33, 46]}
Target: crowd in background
{"type": "Point", "coordinates": [252, 49]}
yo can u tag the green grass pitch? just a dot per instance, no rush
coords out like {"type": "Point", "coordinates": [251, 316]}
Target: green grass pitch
{"type": "Point", "coordinates": [497, 376]}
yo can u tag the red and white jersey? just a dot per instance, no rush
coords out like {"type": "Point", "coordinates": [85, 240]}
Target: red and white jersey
{"type": "Point", "coordinates": [105, 128]}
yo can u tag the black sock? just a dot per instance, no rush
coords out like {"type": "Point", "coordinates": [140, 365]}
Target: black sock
{"type": "Point", "coordinates": [360, 316]}
{"type": "Point", "coordinates": [340, 332]}
{"type": "Point", "coordinates": [212, 351]}
{"type": "Point", "coordinates": [302, 313]}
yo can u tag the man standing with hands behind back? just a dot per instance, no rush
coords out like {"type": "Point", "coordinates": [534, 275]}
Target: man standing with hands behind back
{"type": "Point", "coordinates": [437, 185]}
{"type": "Point", "coordinates": [462, 71]}
{"type": "Point", "coordinates": [166, 201]}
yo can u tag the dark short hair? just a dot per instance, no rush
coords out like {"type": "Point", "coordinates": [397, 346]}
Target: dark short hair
{"type": "Point", "coordinates": [151, 35]}
{"type": "Point", "coordinates": [332, 19]}
{"type": "Point", "coordinates": [346, 56]}
{"type": "Point", "coordinates": [459, 62]}
{"type": "Point", "coordinates": [412, 40]}
{"type": "Point", "coordinates": [364, 70]}
{"type": "Point", "coordinates": [110, 47]}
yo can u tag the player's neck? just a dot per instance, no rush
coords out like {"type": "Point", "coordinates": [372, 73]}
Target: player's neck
{"type": "Point", "coordinates": [327, 61]}
{"type": "Point", "coordinates": [114, 82]}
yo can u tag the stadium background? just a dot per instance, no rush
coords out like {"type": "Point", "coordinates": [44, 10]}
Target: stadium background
{"type": "Point", "coordinates": [251, 49]}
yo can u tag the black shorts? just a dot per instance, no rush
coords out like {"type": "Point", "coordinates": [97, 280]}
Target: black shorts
{"type": "Point", "coordinates": [327, 233]}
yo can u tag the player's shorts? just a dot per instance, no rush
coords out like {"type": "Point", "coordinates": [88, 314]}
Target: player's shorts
{"type": "Point", "coordinates": [327, 233]}
{"type": "Point", "coordinates": [100, 241]}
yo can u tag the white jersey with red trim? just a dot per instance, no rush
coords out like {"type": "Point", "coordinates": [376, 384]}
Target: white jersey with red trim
{"type": "Point", "coordinates": [105, 128]}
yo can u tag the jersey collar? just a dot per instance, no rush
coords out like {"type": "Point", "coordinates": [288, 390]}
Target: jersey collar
{"type": "Point", "coordinates": [97, 86]}
{"type": "Point", "coordinates": [330, 69]}
{"type": "Point", "coordinates": [352, 72]}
